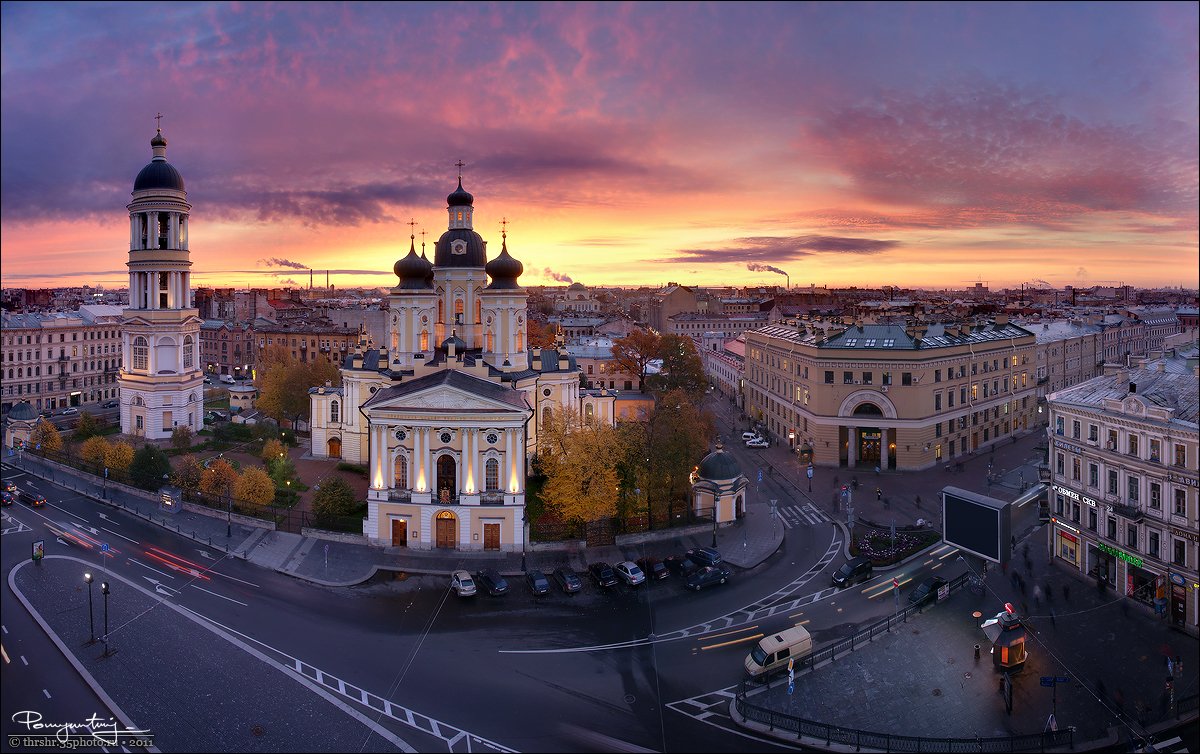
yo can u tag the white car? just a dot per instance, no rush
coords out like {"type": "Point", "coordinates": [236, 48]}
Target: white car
{"type": "Point", "coordinates": [757, 442]}
{"type": "Point", "coordinates": [71, 410]}
{"type": "Point", "coordinates": [750, 436]}
{"type": "Point", "coordinates": [462, 584]}
{"type": "Point", "coordinates": [630, 573]}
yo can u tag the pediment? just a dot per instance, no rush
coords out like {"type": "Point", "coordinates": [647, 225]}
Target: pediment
{"type": "Point", "coordinates": [444, 398]}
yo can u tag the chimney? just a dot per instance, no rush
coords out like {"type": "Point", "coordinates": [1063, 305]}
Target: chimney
{"type": "Point", "coordinates": [1001, 320]}
{"type": "Point", "coordinates": [537, 361]}
{"type": "Point", "coordinates": [966, 329]}
{"type": "Point", "coordinates": [1133, 387]}
{"type": "Point", "coordinates": [1162, 366]}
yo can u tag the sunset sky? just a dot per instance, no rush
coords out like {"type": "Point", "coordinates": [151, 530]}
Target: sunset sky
{"type": "Point", "coordinates": [927, 145]}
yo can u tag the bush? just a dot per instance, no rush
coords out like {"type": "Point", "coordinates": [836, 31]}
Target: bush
{"type": "Point", "coordinates": [150, 467]}
{"type": "Point", "coordinates": [353, 468]}
{"type": "Point", "coordinates": [94, 450]}
{"type": "Point", "coordinates": [335, 498]}
{"type": "Point", "coordinates": [181, 437]}
{"type": "Point", "coordinates": [88, 426]}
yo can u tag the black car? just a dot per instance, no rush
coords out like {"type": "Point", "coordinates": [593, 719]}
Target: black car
{"type": "Point", "coordinates": [6, 498]}
{"type": "Point", "coordinates": [537, 582]}
{"type": "Point", "coordinates": [708, 576]}
{"type": "Point", "coordinates": [567, 579]}
{"type": "Point", "coordinates": [926, 591]}
{"type": "Point", "coordinates": [111, 404]}
{"type": "Point", "coordinates": [855, 570]}
{"type": "Point", "coordinates": [602, 574]}
{"type": "Point", "coordinates": [705, 556]}
{"type": "Point", "coordinates": [493, 582]}
{"type": "Point", "coordinates": [681, 565]}
{"type": "Point", "coordinates": [654, 568]}
{"type": "Point", "coordinates": [31, 498]}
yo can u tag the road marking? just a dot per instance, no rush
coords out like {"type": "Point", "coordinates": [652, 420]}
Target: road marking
{"type": "Point", "coordinates": [231, 599]}
{"type": "Point", "coordinates": [122, 536]}
{"type": "Point", "coordinates": [727, 633]}
{"type": "Point", "coordinates": [143, 565]}
{"type": "Point", "coordinates": [4, 628]}
{"type": "Point", "coordinates": [233, 578]}
{"type": "Point", "coordinates": [4, 654]}
{"type": "Point", "coordinates": [47, 693]}
{"type": "Point", "coordinates": [24, 661]}
{"type": "Point", "coordinates": [752, 637]}
{"type": "Point", "coordinates": [804, 622]}
{"type": "Point", "coordinates": [104, 516]}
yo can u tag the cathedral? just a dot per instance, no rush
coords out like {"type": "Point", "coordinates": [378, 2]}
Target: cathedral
{"type": "Point", "coordinates": [445, 412]}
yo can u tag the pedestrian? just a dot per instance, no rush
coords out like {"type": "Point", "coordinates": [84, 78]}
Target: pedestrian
{"type": "Point", "coordinates": [878, 495]}
{"type": "Point", "coordinates": [1037, 595]}
{"type": "Point", "coordinates": [1049, 594]}
{"type": "Point", "coordinates": [1012, 541]}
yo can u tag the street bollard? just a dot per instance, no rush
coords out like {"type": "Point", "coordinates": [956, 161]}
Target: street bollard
{"type": "Point", "coordinates": [976, 653]}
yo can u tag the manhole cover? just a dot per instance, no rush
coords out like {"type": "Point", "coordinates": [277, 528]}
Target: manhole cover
{"type": "Point", "coordinates": [630, 698]}
{"type": "Point", "coordinates": [937, 692]}
{"type": "Point", "coordinates": [967, 676]}
{"type": "Point", "coordinates": [257, 730]}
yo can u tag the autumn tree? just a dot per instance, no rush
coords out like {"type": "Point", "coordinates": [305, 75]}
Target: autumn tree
{"type": "Point", "coordinates": [187, 472]}
{"type": "Point", "coordinates": [150, 467]}
{"type": "Point", "coordinates": [254, 486]}
{"type": "Point", "coordinates": [335, 498]}
{"type": "Point", "coordinates": [181, 437]}
{"type": "Point", "coordinates": [677, 436]}
{"type": "Point", "coordinates": [94, 450]}
{"type": "Point", "coordinates": [579, 460]}
{"type": "Point", "coordinates": [218, 479]}
{"type": "Point", "coordinates": [631, 467]}
{"type": "Point", "coordinates": [45, 437]}
{"type": "Point", "coordinates": [540, 335]}
{"type": "Point", "coordinates": [283, 382]}
{"type": "Point", "coordinates": [635, 351]}
{"type": "Point", "coordinates": [119, 457]}
{"type": "Point", "coordinates": [681, 366]}
{"type": "Point", "coordinates": [272, 450]}
{"type": "Point", "coordinates": [88, 426]}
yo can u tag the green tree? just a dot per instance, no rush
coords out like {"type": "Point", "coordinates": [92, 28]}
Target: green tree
{"type": "Point", "coordinates": [635, 351]}
{"type": "Point", "coordinates": [150, 467]}
{"type": "Point", "coordinates": [678, 433]}
{"type": "Point", "coordinates": [272, 450]}
{"type": "Point", "coordinates": [283, 383]}
{"type": "Point", "coordinates": [681, 366]}
{"type": "Point", "coordinates": [119, 457]}
{"type": "Point", "coordinates": [631, 465]}
{"type": "Point", "coordinates": [94, 450]}
{"type": "Point", "coordinates": [88, 426]}
{"type": "Point", "coordinates": [254, 486]}
{"type": "Point", "coordinates": [46, 435]}
{"type": "Point", "coordinates": [335, 498]}
{"type": "Point", "coordinates": [218, 479]}
{"type": "Point", "coordinates": [187, 472]}
{"type": "Point", "coordinates": [181, 437]}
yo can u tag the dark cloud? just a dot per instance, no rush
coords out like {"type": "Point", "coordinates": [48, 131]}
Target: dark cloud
{"type": "Point", "coordinates": [765, 249]}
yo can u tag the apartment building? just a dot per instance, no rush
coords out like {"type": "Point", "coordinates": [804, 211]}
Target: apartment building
{"type": "Point", "coordinates": [1068, 352]}
{"type": "Point", "coordinates": [308, 340]}
{"type": "Point", "coordinates": [1124, 485]}
{"type": "Point", "coordinates": [227, 348]}
{"type": "Point", "coordinates": [61, 359]}
{"type": "Point", "coordinates": [724, 361]}
{"type": "Point", "coordinates": [695, 324]}
{"type": "Point", "coordinates": [891, 396]}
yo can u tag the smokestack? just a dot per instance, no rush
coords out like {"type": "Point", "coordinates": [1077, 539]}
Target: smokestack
{"type": "Point", "coordinates": [309, 278]}
{"type": "Point", "coordinates": [326, 279]}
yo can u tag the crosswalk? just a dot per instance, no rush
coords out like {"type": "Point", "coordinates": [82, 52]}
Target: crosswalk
{"type": "Point", "coordinates": [802, 515]}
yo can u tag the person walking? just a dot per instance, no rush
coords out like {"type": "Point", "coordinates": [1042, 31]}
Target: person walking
{"type": "Point", "coordinates": [878, 495]}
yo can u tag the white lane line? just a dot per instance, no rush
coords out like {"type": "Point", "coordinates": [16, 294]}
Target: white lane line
{"type": "Point", "coordinates": [69, 513]}
{"type": "Point", "coordinates": [122, 536]}
{"type": "Point", "coordinates": [24, 661]}
{"type": "Point", "coordinates": [148, 568]}
{"type": "Point", "coordinates": [233, 578]}
{"type": "Point", "coordinates": [47, 693]}
{"type": "Point", "coordinates": [4, 628]}
{"type": "Point", "coordinates": [231, 599]}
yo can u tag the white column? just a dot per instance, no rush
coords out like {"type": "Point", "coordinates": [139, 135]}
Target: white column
{"type": "Point", "coordinates": [883, 449]}
{"type": "Point", "coordinates": [852, 445]}
{"type": "Point", "coordinates": [418, 459]}
{"type": "Point", "coordinates": [132, 231]}
{"type": "Point", "coordinates": [427, 458]}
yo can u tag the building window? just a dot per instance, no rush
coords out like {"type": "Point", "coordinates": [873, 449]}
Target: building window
{"type": "Point", "coordinates": [1133, 489]}
{"type": "Point", "coordinates": [491, 475]}
{"type": "Point", "coordinates": [334, 411]}
{"type": "Point", "coordinates": [1155, 451]}
{"type": "Point", "coordinates": [1180, 454]}
{"type": "Point", "coordinates": [1155, 495]}
{"type": "Point", "coordinates": [1180, 502]}
{"type": "Point", "coordinates": [1112, 439]}
{"type": "Point", "coordinates": [1131, 536]}
{"type": "Point", "coordinates": [1112, 528]}
{"type": "Point", "coordinates": [906, 378]}
{"type": "Point", "coordinates": [1133, 445]}
{"type": "Point", "coordinates": [1152, 543]}
{"type": "Point", "coordinates": [188, 358]}
{"type": "Point", "coordinates": [141, 353]}
{"type": "Point", "coordinates": [937, 402]}
{"type": "Point", "coordinates": [949, 399]}
{"type": "Point", "coordinates": [1075, 429]}
{"type": "Point", "coordinates": [937, 375]}
{"type": "Point", "coordinates": [1093, 433]}
{"type": "Point", "coordinates": [1093, 475]}
{"type": "Point", "coordinates": [937, 429]}
{"type": "Point", "coordinates": [1092, 519]}
{"type": "Point", "coordinates": [1061, 464]}
{"type": "Point", "coordinates": [847, 378]}
{"type": "Point", "coordinates": [887, 378]}
{"type": "Point", "coordinates": [867, 378]}
{"type": "Point", "coordinates": [1180, 558]}
{"type": "Point", "coordinates": [400, 473]}
{"type": "Point", "coordinates": [1076, 465]}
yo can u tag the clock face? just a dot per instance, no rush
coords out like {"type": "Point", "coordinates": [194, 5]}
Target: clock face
{"type": "Point", "coordinates": [401, 435]}
{"type": "Point", "coordinates": [444, 437]}
{"type": "Point", "coordinates": [458, 247]}
{"type": "Point", "coordinates": [492, 438]}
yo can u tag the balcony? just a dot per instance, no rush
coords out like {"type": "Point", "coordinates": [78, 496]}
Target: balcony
{"type": "Point", "coordinates": [1131, 512]}
{"type": "Point", "coordinates": [1043, 380]}
{"type": "Point", "coordinates": [63, 357]}
{"type": "Point", "coordinates": [491, 498]}
{"type": "Point", "coordinates": [400, 496]}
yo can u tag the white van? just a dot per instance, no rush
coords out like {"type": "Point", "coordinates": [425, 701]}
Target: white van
{"type": "Point", "coordinates": [749, 436]}
{"type": "Point", "coordinates": [227, 379]}
{"type": "Point", "coordinates": [774, 650]}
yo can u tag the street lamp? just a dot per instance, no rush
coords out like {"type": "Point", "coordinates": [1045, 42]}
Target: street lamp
{"type": "Point", "coordinates": [91, 623]}
{"type": "Point", "coordinates": [714, 544]}
{"type": "Point", "coordinates": [104, 590]}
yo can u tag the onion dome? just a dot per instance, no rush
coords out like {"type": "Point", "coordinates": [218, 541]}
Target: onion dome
{"type": "Point", "coordinates": [412, 269]}
{"type": "Point", "coordinates": [429, 273]}
{"type": "Point", "coordinates": [504, 269]}
{"type": "Point", "coordinates": [460, 197]}
{"type": "Point", "coordinates": [719, 466]}
{"type": "Point", "coordinates": [159, 174]}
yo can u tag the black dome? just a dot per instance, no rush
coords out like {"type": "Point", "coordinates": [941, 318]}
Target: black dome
{"type": "Point", "coordinates": [159, 174]}
{"type": "Point", "coordinates": [460, 198]}
{"type": "Point", "coordinates": [22, 412]}
{"type": "Point", "coordinates": [473, 253]}
{"type": "Point", "coordinates": [412, 270]}
{"type": "Point", "coordinates": [719, 465]}
{"type": "Point", "coordinates": [459, 344]}
{"type": "Point", "coordinates": [504, 270]}
{"type": "Point", "coordinates": [428, 267]}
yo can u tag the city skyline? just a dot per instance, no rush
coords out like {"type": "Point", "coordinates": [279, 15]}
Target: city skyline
{"type": "Point", "coordinates": [919, 146]}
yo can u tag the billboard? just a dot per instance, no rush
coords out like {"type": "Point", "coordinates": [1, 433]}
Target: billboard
{"type": "Point", "coordinates": [977, 523]}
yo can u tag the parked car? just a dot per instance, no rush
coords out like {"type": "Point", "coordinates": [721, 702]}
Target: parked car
{"type": "Point", "coordinates": [654, 568]}
{"type": "Point", "coordinates": [70, 410]}
{"type": "Point", "coordinates": [568, 580]}
{"type": "Point", "coordinates": [681, 565]}
{"type": "Point", "coordinates": [492, 582]}
{"type": "Point", "coordinates": [630, 573]}
{"type": "Point", "coordinates": [110, 404]}
{"type": "Point", "coordinates": [757, 442]}
{"type": "Point", "coordinates": [31, 498]}
{"type": "Point", "coordinates": [926, 591]}
{"type": "Point", "coordinates": [708, 576]}
{"type": "Point", "coordinates": [747, 436]}
{"type": "Point", "coordinates": [10, 488]}
{"type": "Point", "coordinates": [602, 574]}
{"type": "Point", "coordinates": [6, 498]}
{"type": "Point", "coordinates": [462, 584]}
{"type": "Point", "coordinates": [537, 583]}
{"type": "Point", "coordinates": [705, 556]}
{"type": "Point", "coordinates": [208, 380]}
{"type": "Point", "coordinates": [855, 570]}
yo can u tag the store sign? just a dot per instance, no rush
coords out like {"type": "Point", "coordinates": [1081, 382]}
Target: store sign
{"type": "Point", "coordinates": [1068, 446]}
{"type": "Point", "coordinates": [1189, 481]}
{"type": "Point", "coordinates": [1070, 537]}
{"type": "Point", "coordinates": [1075, 495]}
{"type": "Point", "coordinates": [1120, 555]}
{"type": "Point", "coordinates": [1190, 536]}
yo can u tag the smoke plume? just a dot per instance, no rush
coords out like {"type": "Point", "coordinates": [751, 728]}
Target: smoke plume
{"type": "Point", "coordinates": [549, 273]}
{"type": "Point", "coordinates": [277, 262]}
{"type": "Point", "coordinates": [756, 267]}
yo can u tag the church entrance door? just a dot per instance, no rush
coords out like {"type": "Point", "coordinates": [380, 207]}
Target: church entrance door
{"type": "Point", "coordinates": [447, 479]}
{"type": "Point", "coordinates": [491, 536]}
{"type": "Point", "coordinates": [399, 533]}
{"type": "Point", "coordinates": [445, 534]}
{"type": "Point", "coordinates": [335, 447]}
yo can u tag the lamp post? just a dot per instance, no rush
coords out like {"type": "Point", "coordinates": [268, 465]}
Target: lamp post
{"type": "Point", "coordinates": [91, 622]}
{"type": "Point", "coordinates": [104, 590]}
{"type": "Point", "coordinates": [714, 544]}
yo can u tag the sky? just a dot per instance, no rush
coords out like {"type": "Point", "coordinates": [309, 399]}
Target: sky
{"type": "Point", "coordinates": [923, 145]}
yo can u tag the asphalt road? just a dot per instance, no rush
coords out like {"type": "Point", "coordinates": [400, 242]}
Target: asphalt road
{"type": "Point", "coordinates": [625, 669]}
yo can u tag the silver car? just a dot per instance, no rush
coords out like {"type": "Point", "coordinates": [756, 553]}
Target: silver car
{"type": "Point", "coordinates": [630, 573]}
{"type": "Point", "coordinates": [462, 584]}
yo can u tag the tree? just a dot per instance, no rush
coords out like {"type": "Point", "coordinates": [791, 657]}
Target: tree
{"type": "Point", "coordinates": [150, 467]}
{"type": "Point", "coordinates": [181, 437]}
{"type": "Point", "coordinates": [119, 457]}
{"type": "Point", "coordinates": [254, 486]}
{"type": "Point", "coordinates": [335, 498]}
{"type": "Point", "coordinates": [635, 351]}
{"type": "Point", "coordinates": [218, 479]}
{"type": "Point", "coordinates": [678, 433]}
{"type": "Point", "coordinates": [681, 366]}
{"type": "Point", "coordinates": [579, 460]}
{"type": "Point", "coordinates": [46, 436]}
{"type": "Point", "coordinates": [187, 472]}
{"type": "Point", "coordinates": [540, 336]}
{"type": "Point", "coordinates": [283, 383]}
{"type": "Point", "coordinates": [94, 450]}
{"type": "Point", "coordinates": [88, 426]}
{"type": "Point", "coordinates": [272, 450]}
{"type": "Point", "coordinates": [632, 461]}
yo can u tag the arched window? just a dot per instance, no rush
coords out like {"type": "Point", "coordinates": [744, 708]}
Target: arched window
{"type": "Point", "coordinates": [458, 311]}
{"type": "Point", "coordinates": [187, 352]}
{"type": "Point", "coordinates": [478, 310]}
{"type": "Point", "coordinates": [441, 311]}
{"type": "Point", "coordinates": [334, 410]}
{"type": "Point", "coordinates": [520, 342]}
{"type": "Point", "coordinates": [424, 340]}
{"type": "Point", "coordinates": [489, 341]}
{"type": "Point", "coordinates": [141, 353]}
{"type": "Point", "coordinates": [491, 475]}
{"type": "Point", "coordinates": [401, 473]}
{"type": "Point", "coordinates": [546, 416]}
{"type": "Point", "coordinates": [589, 412]}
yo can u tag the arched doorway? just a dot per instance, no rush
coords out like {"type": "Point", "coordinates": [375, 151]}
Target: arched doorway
{"type": "Point", "coordinates": [335, 447]}
{"type": "Point", "coordinates": [445, 530]}
{"type": "Point", "coordinates": [447, 479]}
{"type": "Point", "coordinates": [741, 506]}
{"type": "Point", "coordinates": [870, 439]}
